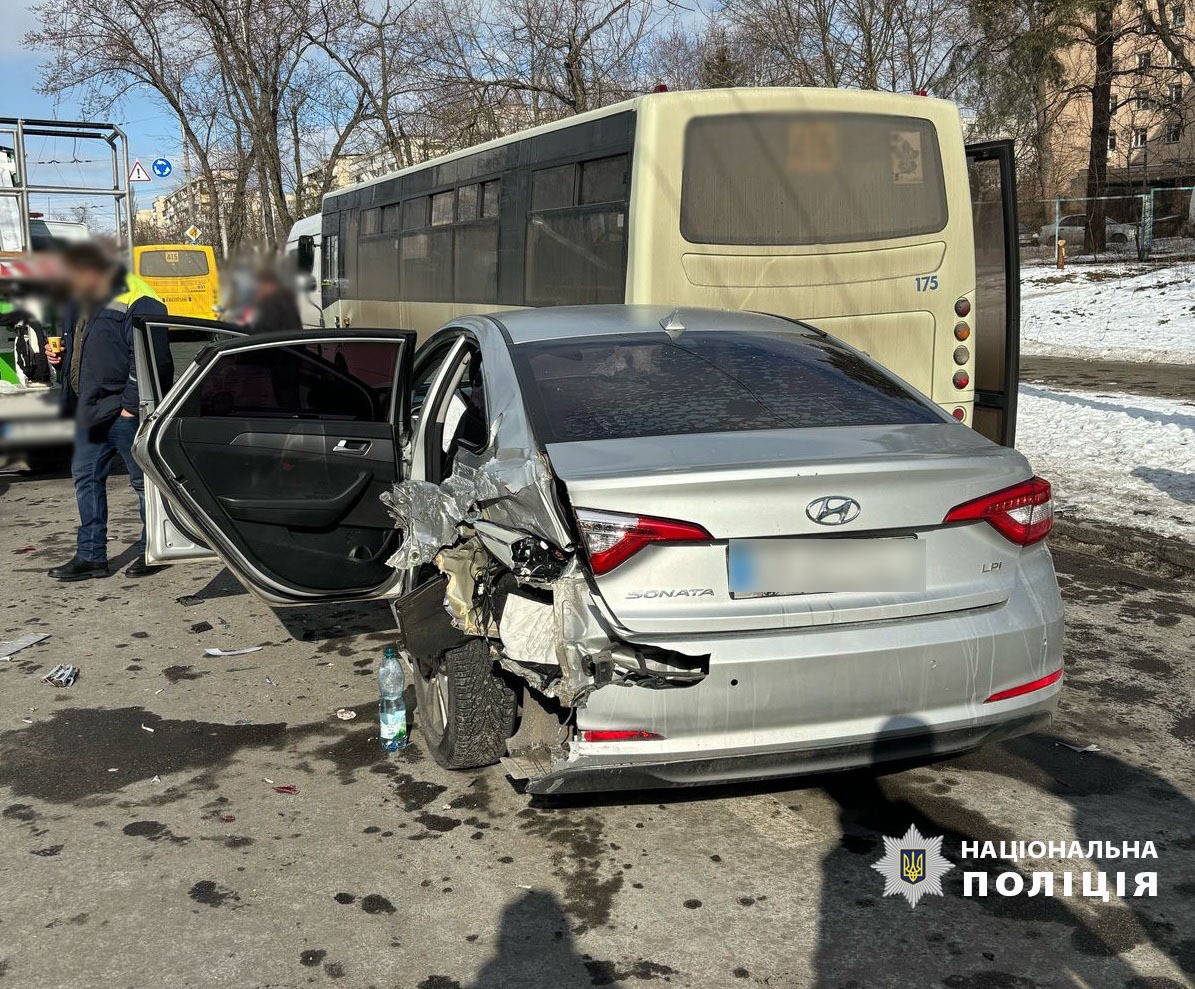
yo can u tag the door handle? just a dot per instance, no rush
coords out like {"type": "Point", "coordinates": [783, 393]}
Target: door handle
{"type": "Point", "coordinates": [354, 448]}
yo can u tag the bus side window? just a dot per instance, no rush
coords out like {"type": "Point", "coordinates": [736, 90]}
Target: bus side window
{"type": "Point", "coordinates": [576, 234]}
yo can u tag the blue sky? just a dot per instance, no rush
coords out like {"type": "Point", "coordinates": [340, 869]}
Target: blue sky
{"type": "Point", "coordinates": [151, 132]}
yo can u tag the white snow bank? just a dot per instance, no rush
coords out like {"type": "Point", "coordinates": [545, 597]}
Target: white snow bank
{"type": "Point", "coordinates": [1113, 458]}
{"type": "Point", "coordinates": [1121, 311]}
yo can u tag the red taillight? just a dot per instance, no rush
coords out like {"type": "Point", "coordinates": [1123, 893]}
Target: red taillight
{"type": "Point", "coordinates": [1025, 688]}
{"type": "Point", "coordinates": [961, 379]}
{"type": "Point", "coordinates": [962, 307]}
{"type": "Point", "coordinates": [619, 735]}
{"type": "Point", "coordinates": [611, 538]}
{"type": "Point", "coordinates": [1023, 513]}
{"type": "Point", "coordinates": [959, 413]}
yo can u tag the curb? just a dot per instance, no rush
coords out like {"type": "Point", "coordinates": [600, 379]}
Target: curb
{"type": "Point", "coordinates": [1084, 536]}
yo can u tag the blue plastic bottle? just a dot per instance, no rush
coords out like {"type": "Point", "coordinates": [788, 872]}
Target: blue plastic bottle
{"type": "Point", "coordinates": [392, 707]}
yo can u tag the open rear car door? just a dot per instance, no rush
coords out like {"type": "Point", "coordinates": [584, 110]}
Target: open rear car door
{"type": "Point", "coordinates": [992, 173]}
{"type": "Point", "coordinates": [273, 450]}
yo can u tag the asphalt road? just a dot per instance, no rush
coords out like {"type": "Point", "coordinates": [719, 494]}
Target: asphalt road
{"type": "Point", "coordinates": [142, 843]}
{"type": "Point", "coordinates": [1137, 378]}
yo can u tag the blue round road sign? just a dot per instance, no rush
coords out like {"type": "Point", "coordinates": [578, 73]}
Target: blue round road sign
{"type": "Point", "coordinates": [161, 167]}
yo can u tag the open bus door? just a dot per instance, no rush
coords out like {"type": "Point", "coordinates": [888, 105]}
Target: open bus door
{"type": "Point", "coordinates": [992, 173]}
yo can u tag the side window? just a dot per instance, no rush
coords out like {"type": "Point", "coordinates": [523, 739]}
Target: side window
{"type": "Point", "coordinates": [343, 380]}
{"type": "Point", "coordinates": [185, 344]}
{"type": "Point", "coordinates": [576, 234]}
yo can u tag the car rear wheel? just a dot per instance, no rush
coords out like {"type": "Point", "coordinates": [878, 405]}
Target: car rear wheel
{"type": "Point", "coordinates": [466, 707]}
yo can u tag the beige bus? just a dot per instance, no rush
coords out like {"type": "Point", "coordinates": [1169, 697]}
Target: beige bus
{"type": "Point", "coordinates": [861, 213]}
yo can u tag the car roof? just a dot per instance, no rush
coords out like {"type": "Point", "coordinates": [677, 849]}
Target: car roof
{"type": "Point", "coordinates": [564, 322]}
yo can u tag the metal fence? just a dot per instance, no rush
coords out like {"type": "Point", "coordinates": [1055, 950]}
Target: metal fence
{"type": "Point", "coordinates": [1155, 225]}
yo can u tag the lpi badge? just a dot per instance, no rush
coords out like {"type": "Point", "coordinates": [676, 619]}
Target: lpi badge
{"type": "Point", "coordinates": [912, 866]}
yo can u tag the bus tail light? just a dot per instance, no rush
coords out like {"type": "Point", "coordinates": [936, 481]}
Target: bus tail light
{"type": "Point", "coordinates": [962, 307]}
{"type": "Point", "coordinates": [611, 538]}
{"type": "Point", "coordinates": [961, 379]}
{"type": "Point", "coordinates": [1023, 513]}
{"type": "Point", "coordinates": [961, 355]}
{"type": "Point", "coordinates": [962, 331]}
{"type": "Point", "coordinates": [959, 413]}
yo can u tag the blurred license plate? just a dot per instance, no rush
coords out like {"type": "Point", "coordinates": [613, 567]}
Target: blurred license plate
{"type": "Point", "coordinates": [38, 430]}
{"type": "Point", "coordinates": [823, 566]}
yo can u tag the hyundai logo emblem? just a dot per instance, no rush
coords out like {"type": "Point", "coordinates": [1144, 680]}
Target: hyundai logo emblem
{"type": "Point", "coordinates": [833, 510]}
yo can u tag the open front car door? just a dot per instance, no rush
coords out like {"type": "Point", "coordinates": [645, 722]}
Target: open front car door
{"type": "Point", "coordinates": [274, 450]}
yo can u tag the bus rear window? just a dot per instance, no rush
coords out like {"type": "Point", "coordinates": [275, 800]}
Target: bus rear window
{"type": "Point", "coordinates": [800, 178]}
{"type": "Point", "coordinates": [615, 387]}
{"type": "Point", "coordinates": [173, 264]}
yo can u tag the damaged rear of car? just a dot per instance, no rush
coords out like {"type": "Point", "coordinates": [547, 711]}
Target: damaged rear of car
{"type": "Point", "coordinates": [643, 547]}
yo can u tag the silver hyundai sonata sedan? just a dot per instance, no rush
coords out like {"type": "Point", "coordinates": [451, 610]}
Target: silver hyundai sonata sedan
{"type": "Point", "coordinates": [628, 546]}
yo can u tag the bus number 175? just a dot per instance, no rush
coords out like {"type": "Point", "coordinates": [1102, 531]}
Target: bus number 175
{"type": "Point", "coordinates": [927, 283]}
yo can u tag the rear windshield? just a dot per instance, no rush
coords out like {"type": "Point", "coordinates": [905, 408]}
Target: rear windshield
{"type": "Point", "coordinates": [613, 387]}
{"type": "Point", "coordinates": [173, 264]}
{"type": "Point", "coordinates": [789, 178]}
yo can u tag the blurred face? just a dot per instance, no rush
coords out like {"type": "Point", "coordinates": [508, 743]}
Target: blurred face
{"type": "Point", "coordinates": [87, 285]}
{"type": "Point", "coordinates": [265, 288]}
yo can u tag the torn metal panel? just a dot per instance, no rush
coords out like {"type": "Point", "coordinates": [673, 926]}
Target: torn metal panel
{"type": "Point", "coordinates": [429, 515]}
{"type": "Point", "coordinates": [515, 487]}
{"type": "Point", "coordinates": [514, 491]}
{"type": "Point", "coordinates": [582, 637]}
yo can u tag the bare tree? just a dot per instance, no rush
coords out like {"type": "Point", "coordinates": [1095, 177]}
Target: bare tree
{"type": "Point", "coordinates": [558, 57]}
{"type": "Point", "coordinates": [105, 50]}
{"type": "Point", "coordinates": [381, 50]}
{"type": "Point", "coordinates": [894, 45]}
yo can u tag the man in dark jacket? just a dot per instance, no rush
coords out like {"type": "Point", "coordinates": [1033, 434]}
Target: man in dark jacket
{"type": "Point", "coordinates": [99, 388]}
{"type": "Point", "coordinates": [274, 307]}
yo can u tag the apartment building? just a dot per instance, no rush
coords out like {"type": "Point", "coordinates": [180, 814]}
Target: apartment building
{"type": "Point", "coordinates": [1152, 139]}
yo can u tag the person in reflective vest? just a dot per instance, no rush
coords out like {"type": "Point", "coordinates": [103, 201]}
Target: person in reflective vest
{"type": "Point", "coordinates": [100, 390]}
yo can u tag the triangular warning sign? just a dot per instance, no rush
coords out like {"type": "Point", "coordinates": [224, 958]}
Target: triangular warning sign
{"type": "Point", "coordinates": [138, 173]}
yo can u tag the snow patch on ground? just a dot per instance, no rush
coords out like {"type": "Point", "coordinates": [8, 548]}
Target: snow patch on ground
{"type": "Point", "coordinates": [1113, 458]}
{"type": "Point", "coordinates": [1122, 311]}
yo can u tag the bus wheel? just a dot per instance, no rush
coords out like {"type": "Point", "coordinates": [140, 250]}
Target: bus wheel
{"type": "Point", "coordinates": [466, 707]}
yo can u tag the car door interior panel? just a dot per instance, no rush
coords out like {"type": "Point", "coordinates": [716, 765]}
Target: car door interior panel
{"type": "Point", "coordinates": [285, 448]}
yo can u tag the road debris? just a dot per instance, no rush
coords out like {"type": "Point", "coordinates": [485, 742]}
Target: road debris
{"type": "Point", "coordinates": [243, 651]}
{"type": "Point", "coordinates": [147, 728]}
{"type": "Point", "coordinates": [288, 788]}
{"type": "Point", "coordinates": [187, 600]}
{"type": "Point", "coordinates": [271, 681]}
{"type": "Point", "coordinates": [345, 714]}
{"type": "Point", "coordinates": [201, 627]}
{"type": "Point", "coordinates": [1080, 748]}
{"type": "Point", "coordinates": [14, 646]}
{"type": "Point", "coordinates": [25, 549]}
{"type": "Point", "coordinates": [63, 675]}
